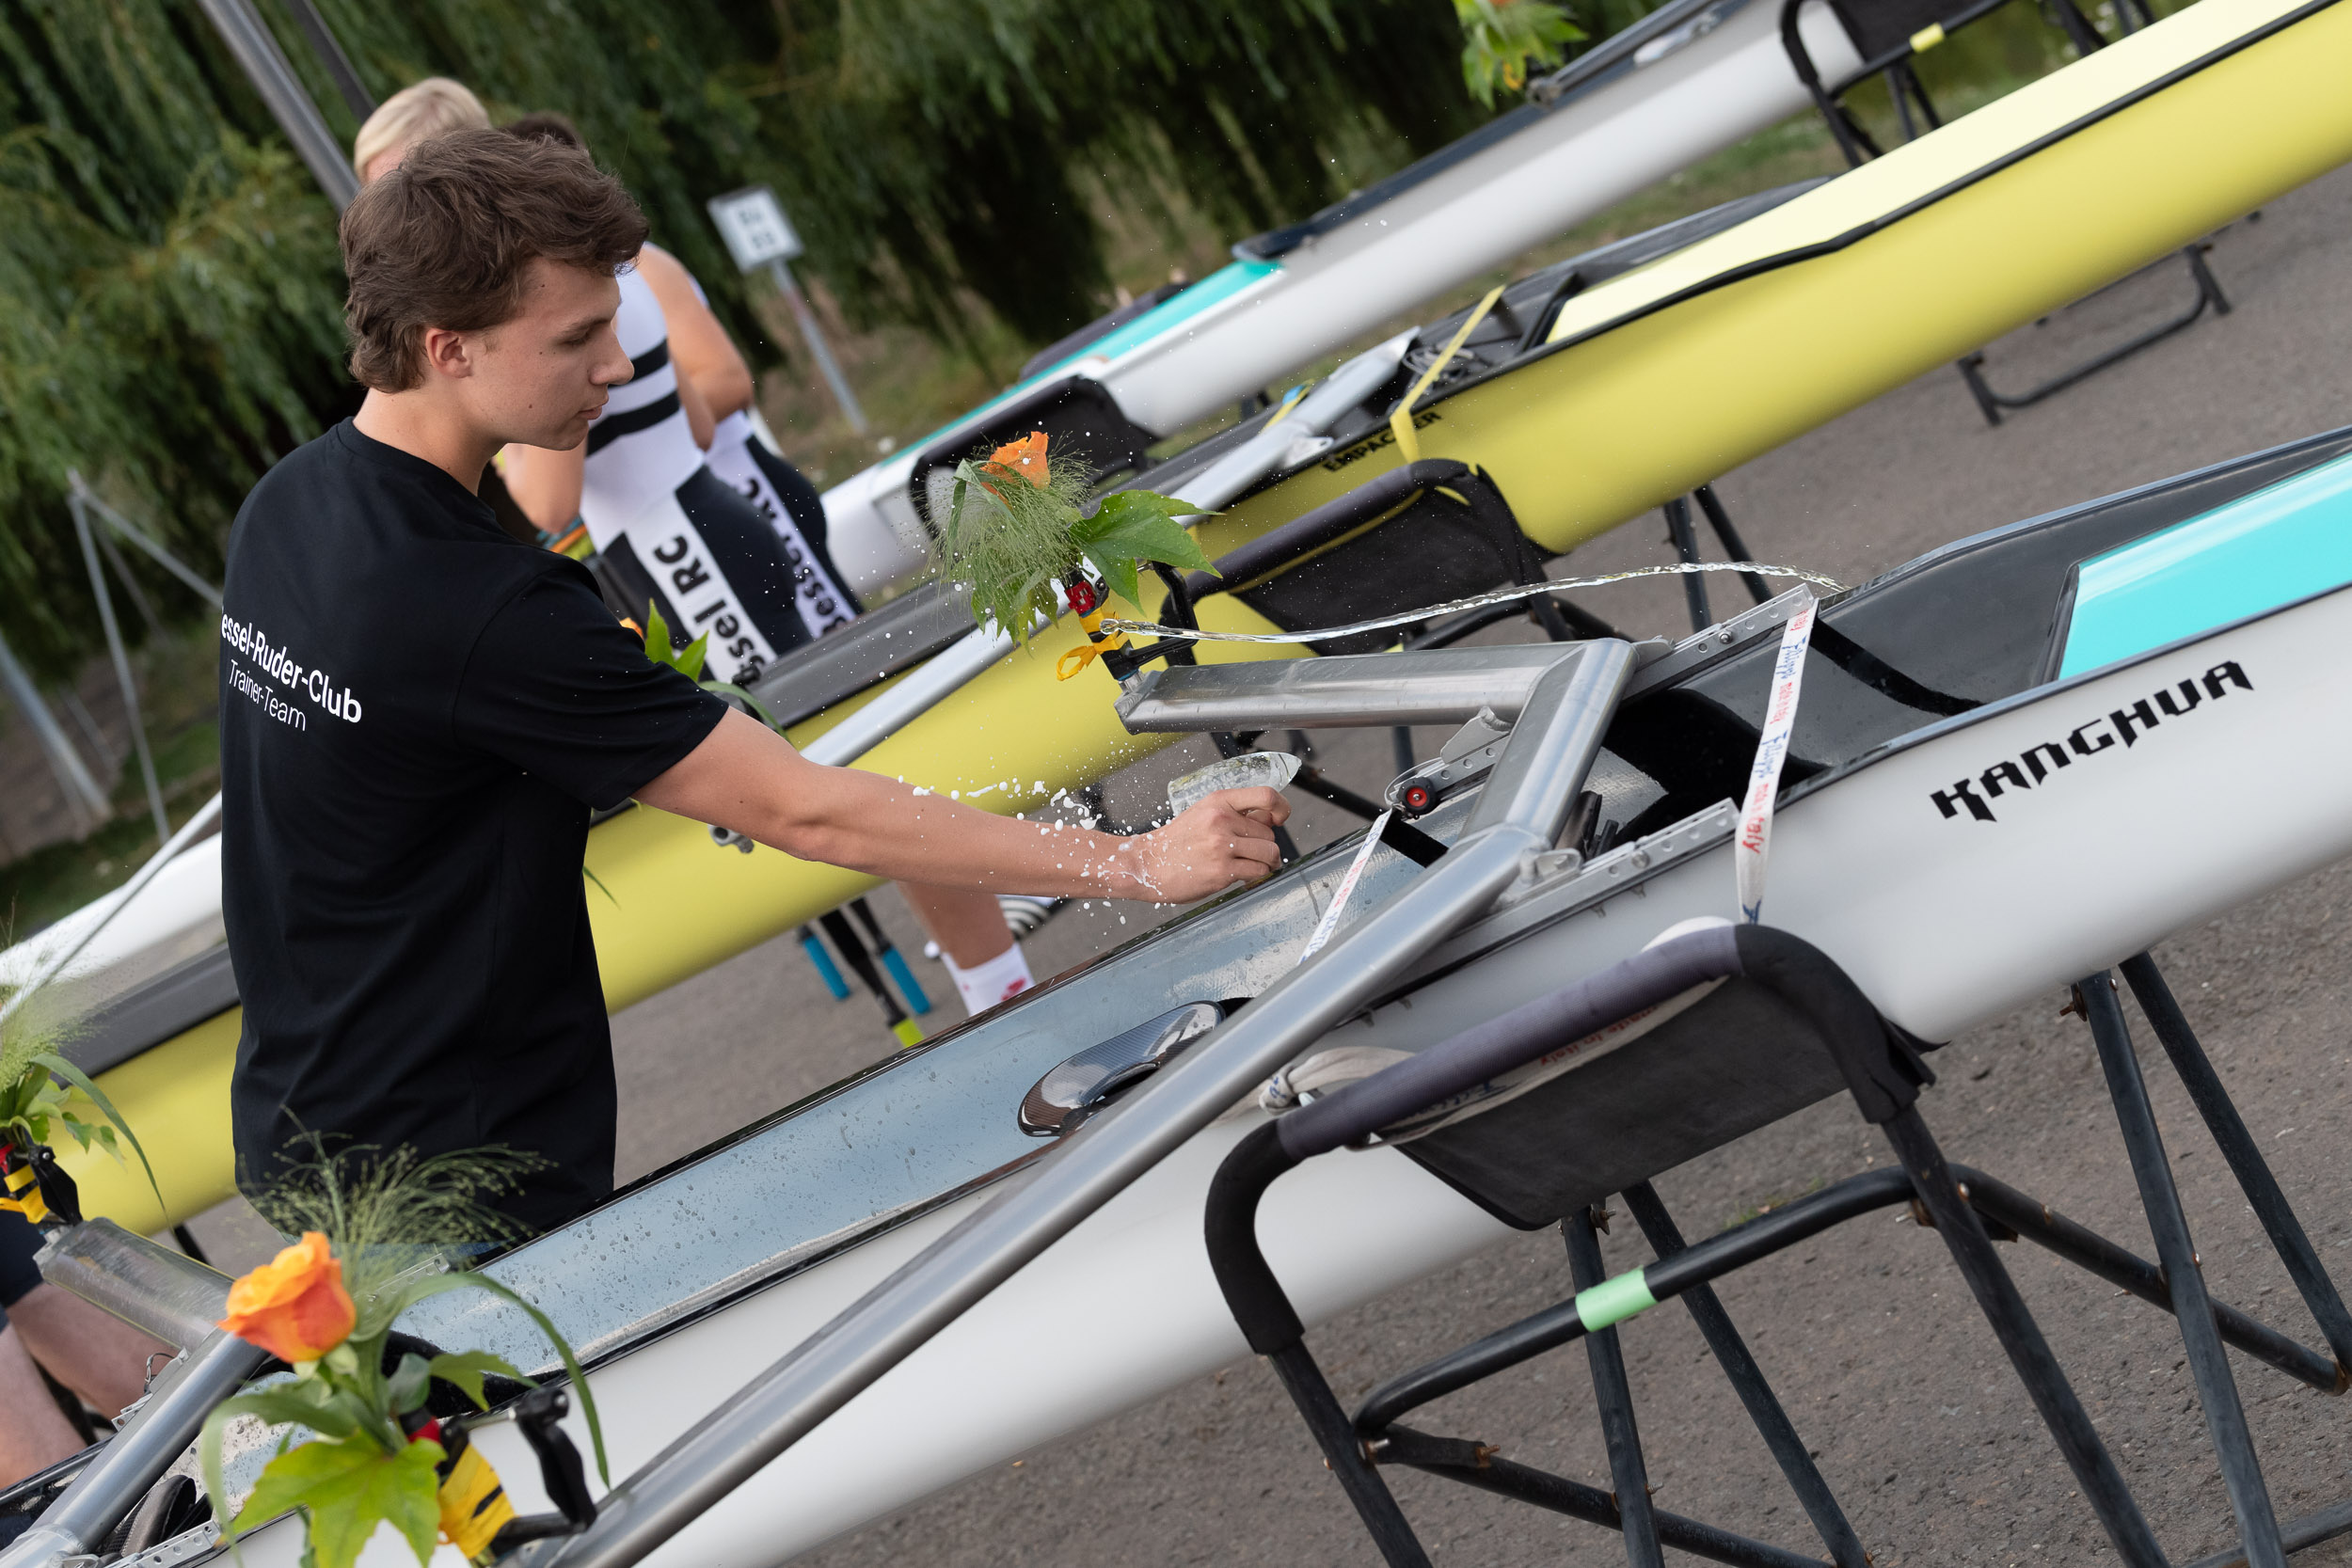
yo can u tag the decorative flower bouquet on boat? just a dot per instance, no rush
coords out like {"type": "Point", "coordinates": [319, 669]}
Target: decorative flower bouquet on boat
{"type": "Point", "coordinates": [375, 1240]}
{"type": "Point", "coordinates": [1020, 538]}
{"type": "Point", "coordinates": [37, 1103]}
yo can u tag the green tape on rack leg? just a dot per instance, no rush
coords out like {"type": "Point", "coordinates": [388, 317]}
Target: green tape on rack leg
{"type": "Point", "coordinates": [1613, 1301]}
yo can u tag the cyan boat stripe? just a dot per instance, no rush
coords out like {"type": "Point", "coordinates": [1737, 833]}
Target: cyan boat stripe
{"type": "Point", "coordinates": [2259, 552]}
{"type": "Point", "coordinates": [1163, 318]}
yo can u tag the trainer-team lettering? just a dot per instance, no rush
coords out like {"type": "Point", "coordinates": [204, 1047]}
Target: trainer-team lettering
{"type": "Point", "coordinates": [2127, 724]}
{"type": "Point", "coordinates": [275, 663]}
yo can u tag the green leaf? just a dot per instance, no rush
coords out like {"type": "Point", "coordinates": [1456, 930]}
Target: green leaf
{"type": "Point", "coordinates": [759, 710]}
{"type": "Point", "coordinates": [465, 1370]}
{"type": "Point", "coordinates": [411, 1380]}
{"type": "Point", "coordinates": [415, 1290]}
{"type": "Point", "coordinates": [1136, 526]}
{"type": "Point", "coordinates": [349, 1488]}
{"type": "Point", "coordinates": [81, 1081]}
{"type": "Point", "coordinates": [687, 661]}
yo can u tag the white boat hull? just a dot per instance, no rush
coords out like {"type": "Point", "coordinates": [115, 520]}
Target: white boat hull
{"type": "Point", "coordinates": [1946, 920]}
{"type": "Point", "coordinates": [1695, 96]}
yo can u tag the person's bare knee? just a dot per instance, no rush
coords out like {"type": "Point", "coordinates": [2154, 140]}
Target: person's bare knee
{"type": "Point", "coordinates": [35, 1434]}
{"type": "Point", "coordinates": [90, 1350]}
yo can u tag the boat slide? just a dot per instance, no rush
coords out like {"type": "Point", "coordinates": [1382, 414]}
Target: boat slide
{"type": "Point", "coordinates": [1689, 80]}
{"type": "Point", "coordinates": [1665, 370]}
{"type": "Point", "coordinates": [932, 1236]}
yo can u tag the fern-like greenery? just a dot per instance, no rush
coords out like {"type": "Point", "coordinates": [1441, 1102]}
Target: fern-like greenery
{"type": "Point", "coordinates": [389, 1213]}
{"type": "Point", "coordinates": [37, 1085]}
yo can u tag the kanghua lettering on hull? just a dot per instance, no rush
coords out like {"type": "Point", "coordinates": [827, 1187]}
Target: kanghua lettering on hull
{"type": "Point", "coordinates": [273, 663]}
{"type": "Point", "coordinates": [2126, 724]}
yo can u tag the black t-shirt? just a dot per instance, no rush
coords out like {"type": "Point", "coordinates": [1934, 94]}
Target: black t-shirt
{"type": "Point", "coordinates": [416, 714]}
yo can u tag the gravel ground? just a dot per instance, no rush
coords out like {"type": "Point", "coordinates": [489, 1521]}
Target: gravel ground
{"type": "Point", "coordinates": [1882, 1361]}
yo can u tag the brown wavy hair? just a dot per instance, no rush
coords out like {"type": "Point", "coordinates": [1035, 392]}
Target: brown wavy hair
{"type": "Point", "coordinates": [446, 239]}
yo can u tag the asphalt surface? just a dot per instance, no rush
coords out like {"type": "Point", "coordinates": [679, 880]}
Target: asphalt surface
{"type": "Point", "coordinates": [1866, 1333]}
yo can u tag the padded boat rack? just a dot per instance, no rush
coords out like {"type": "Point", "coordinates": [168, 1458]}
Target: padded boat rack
{"type": "Point", "coordinates": [1784, 1024]}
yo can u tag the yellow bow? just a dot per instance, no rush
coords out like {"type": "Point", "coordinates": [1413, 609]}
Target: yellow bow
{"type": "Point", "coordinates": [1096, 645]}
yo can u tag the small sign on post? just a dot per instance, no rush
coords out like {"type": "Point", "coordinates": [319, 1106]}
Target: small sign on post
{"type": "Point", "coordinates": [760, 236]}
{"type": "Point", "coordinates": [755, 227]}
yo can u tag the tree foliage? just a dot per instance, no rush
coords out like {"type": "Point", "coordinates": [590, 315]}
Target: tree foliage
{"type": "Point", "coordinates": [169, 292]}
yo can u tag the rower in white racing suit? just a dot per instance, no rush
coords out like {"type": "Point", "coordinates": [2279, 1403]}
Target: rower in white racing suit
{"type": "Point", "coordinates": [671, 532]}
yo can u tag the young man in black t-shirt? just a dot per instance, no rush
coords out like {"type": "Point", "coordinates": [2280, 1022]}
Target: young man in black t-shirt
{"type": "Point", "coordinates": [417, 712]}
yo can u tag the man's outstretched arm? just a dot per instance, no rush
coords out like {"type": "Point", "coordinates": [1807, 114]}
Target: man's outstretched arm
{"type": "Point", "coordinates": [745, 777]}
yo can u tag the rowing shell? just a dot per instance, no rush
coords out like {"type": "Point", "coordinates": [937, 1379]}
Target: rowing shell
{"type": "Point", "coordinates": [1963, 829]}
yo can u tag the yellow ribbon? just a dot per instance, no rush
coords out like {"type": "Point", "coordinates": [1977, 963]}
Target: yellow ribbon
{"type": "Point", "coordinates": [1077, 659]}
{"type": "Point", "coordinates": [473, 1504]}
{"type": "Point", "coordinates": [1401, 422]}
{"type": "Point", "coordinates": [27, 1200]}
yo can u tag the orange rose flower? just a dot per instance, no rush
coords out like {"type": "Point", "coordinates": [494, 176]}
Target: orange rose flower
{"type": "Point", "coordinates": [294, 1306]}
{"type": "Point", "coordinates": [1025, 457]}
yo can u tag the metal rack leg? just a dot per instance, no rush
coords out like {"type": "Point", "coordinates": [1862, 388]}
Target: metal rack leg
{"type": "Point", "coordinates": [2263, 1194]}
{"type": "Point", "coordinates": [1344, 1453]}
{"type": "Point", "coordinates": [2005, 1311]}
{"type": "Point", "coordinates": [1747, 1381]}
{"type": "Point", "coordinates": [1686, 545]}
{"type": "Point", "coordinates": [1735, 546]}
{"type": "Point", "coordinates": [2208, 1363]}
{"type": "Point", "coordinates": [1629, 1476]}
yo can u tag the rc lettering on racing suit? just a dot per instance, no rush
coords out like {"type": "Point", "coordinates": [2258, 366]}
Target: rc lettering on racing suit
{"type": "Point", "coordinates": [706, 602]}
{"type": "Point", "coordinates": [273, 669]}
{"type": "Point", "coordinates": [2041, 764]}
{"type": "Point", "coordinates": [819, 601]}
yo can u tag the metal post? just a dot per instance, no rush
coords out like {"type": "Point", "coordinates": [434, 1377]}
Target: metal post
{"type": "Point", "coordinates": [81, 790]}
{"type": "Point", "coordinates": [1628, 1476]}
{"type": "Point", "coordinates": [265, 66]}
{"type": "Point", "coordinates": [1686, 543]}
{"type": "Point", "coordinates": [2208, 1363]}
{"type": "Point", "coordinates": [122, 665]}
{"type": "Point", "coordinates": [2005, 1313]}
{"type": "Point", "coordinates": [330, 55]}
{"type": "Point", "coordinates": [1343, 1452]}
{"type": "Point", "coordinates": [137, 535]}
{"type": "Point", "coordinates": [814, 337]}
{"type": "Point", "coordinates": [1737, 548]}
{"type": "Point", "coordinates": [2263, 1194]}
{"type": "Point", "coordinates": [1747, 1381]}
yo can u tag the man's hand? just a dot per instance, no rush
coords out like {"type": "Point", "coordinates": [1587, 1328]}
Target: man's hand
{"type": "Point", "coordinates": [1226, 838]}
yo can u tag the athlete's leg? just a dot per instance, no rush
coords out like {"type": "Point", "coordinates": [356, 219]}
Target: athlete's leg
{"type": "Point", "coordinates": [983, 959]}
{"type": "Point", "coordinates": [34, 1433]}
{"type": "Point", "coordinates": [90, 1350]}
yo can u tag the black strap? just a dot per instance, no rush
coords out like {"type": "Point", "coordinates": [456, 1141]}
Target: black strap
{"type": "Point", "coordinates": [613, 426]}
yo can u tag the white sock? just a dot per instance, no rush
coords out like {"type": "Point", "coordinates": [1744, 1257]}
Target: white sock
{"type": "Point", "coordinates": [985, 985]}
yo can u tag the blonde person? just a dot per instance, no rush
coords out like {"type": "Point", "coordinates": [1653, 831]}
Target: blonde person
{"type": "Point", "coordinates": [431, 107]}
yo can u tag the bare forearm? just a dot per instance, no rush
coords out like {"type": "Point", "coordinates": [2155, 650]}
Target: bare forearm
{"type": "Point", "coordinates": [871, 823]}
{"type": "Point", "coordinates": [748, 779]}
